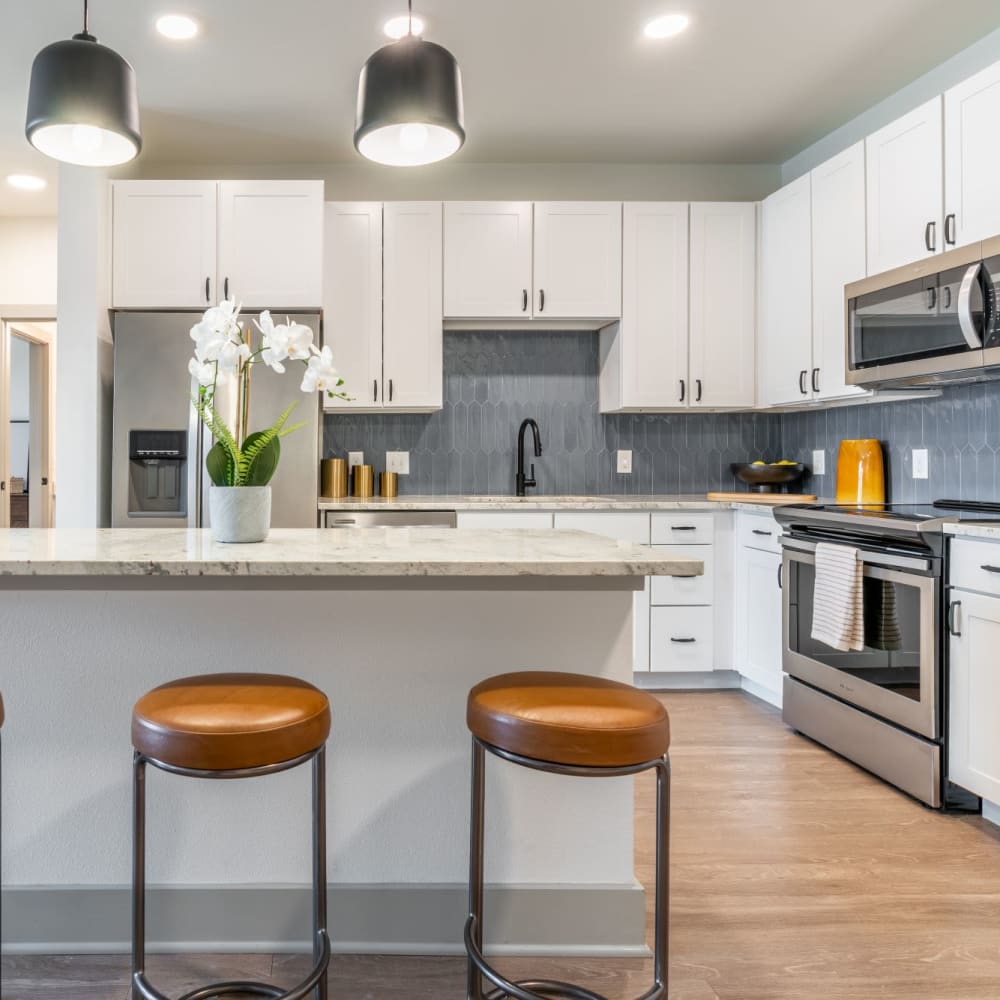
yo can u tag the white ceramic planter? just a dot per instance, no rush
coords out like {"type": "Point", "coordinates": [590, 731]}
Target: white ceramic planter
{"type": "Point", "coordinates": [240, 513]}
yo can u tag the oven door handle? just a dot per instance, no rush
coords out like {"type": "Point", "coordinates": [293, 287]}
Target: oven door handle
{"type": "Point", "coordinates": [888, 560]}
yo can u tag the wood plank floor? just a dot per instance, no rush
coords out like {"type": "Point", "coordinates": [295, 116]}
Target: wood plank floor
{"type": "Point", "coordinates": [796, 877]}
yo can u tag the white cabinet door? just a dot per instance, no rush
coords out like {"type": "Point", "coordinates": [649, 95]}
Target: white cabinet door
{"type": "Point", "coordinates": [163, 238]}
{"type": "Point", "coordinates": [352, 300]}
{"type": "Point", "coordinates": [578, 259]}
{"type": "Point", "coordinates": [758, 618]}
{"type": "Point", "coordinates": [681, 640]}
{"type": "Point", "coordinates": [271, 243]}
{"type": "Point", "coordinates": [487, 259]}
{"type": "Point", "coordinates": [838, 258]}
{"type": "Point", "coordinates": [723, 327]}
{"type": "Point", "coordinates": [786, 295]}
{"type": "Point", "coordinates": [625, 527]}
{"type": "Point", "coordinates": [653, 337]}
{"type": "Point", "coordinates": [974, 736]}
{"type": "Point", "coordinates": [971, 150]}
{"type": "Point", "coordinates": [904, 168]}
{"type": "Point", "coordinates": [412, 319]}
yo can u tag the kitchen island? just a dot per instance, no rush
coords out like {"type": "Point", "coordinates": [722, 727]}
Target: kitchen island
{"type": "Point", "coordinates": [395, 625]}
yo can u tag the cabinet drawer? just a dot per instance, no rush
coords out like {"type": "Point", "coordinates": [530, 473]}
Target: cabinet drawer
{"type": "Point", "coordinates": [536, 519]}
{"type": "Point", "coordinates": [682, 528]}
{"type": "Point", "coordinates": [684, 589]}
{"type": "Point", "coordinates": [969, 560]}
{"type": "Point", "coordinates": [758, 531]}
{"type": "Point", "coordinates": [623, 527]}
{"type": "Point", "coordinates": [680, 639]}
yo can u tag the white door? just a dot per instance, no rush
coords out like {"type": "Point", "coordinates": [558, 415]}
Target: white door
{"type": "Point", "coordinates": [352, 300]}
{"type": "Point", "coordinates": [625, 527]}
{"type": "Point", "coordinates": [271, 243]}
{"type": "Point", "coordinates": [578, 259]}
{"type": "Point", "coordinates": [971, 150]}
{"type": "Point", "coordinates": [412, 320]}
{"type": "Point", "coordinates": [487, 259]}
{"type": "Point", "coordinates": [904, 168]}
{"type": "Point", "coordinates": [653, 336]}
{"type": "Point", "coordinates": [838, 258]}
{"type": "Point", "coordinates": [974, 739]}
{"type": "Point", "coordinates": [786, 295]}
{"type": "Point", "coordinates": [723, 303]}
{"type": "Point", "coordinates": [163, 244]}
{"type": "Point", "coordinates": [758, 618]}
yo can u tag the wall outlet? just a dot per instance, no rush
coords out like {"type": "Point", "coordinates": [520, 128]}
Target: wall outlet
{"type": "Point", "coordinates": [355, 458]}
{"type": "Point", "coordinates": [398, 461]}
{"type": "Point", "coordinates": [819, 463]}
{"type": "Point", "coordinates": [624, 463]}
{"type": "Point", "coordinates": [920, 463]}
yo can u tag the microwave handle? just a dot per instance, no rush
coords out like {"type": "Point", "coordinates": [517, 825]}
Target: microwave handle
{"type": "Point", "coordinates": [972, 336]}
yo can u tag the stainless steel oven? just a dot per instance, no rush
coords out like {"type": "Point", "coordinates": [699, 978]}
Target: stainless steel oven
{"type": "Point", "coordinates": [895, 675]}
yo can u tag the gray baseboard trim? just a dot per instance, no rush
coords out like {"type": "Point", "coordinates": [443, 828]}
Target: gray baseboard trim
{"type": "Point", "coordinates": [403, 919]}
{"type": "Point", "coordinates": [687, 681]}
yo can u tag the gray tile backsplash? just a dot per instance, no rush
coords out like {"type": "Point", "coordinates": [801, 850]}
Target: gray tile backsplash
{"type": "Point", "coordinates": [493, 380]}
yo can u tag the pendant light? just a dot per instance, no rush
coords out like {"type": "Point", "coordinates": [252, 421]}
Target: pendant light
{"type": "Point", "coordinates": [82, 102]}
{"type": "Point", "coordinates": [410, 103]}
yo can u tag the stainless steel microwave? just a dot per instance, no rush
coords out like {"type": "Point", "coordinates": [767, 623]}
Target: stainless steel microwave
{"type": "Point", "coordinates": [927, 323]}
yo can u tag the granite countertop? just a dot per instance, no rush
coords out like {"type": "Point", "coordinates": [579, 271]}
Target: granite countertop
{"type": "Point", "coordinates": [970, 529]}
{"type": "Point", "coordinates": [536, 502]}
{"type": "Point", "coordinates": [321, 553]}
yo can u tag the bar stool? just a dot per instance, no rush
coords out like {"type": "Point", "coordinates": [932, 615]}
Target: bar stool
{"type": "Point", "coordinates": [224, 726]}
{"type": "Point", "coordinates": [576, 725]}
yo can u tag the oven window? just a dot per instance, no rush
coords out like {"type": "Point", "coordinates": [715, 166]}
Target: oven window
{"type": "Point", "coordinates": [891, 657]}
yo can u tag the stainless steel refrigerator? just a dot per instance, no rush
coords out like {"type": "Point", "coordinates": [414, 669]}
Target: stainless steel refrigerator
{"type": "Point", "coordinates": [158, 474]}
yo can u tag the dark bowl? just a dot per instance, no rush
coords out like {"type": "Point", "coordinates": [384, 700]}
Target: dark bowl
{"type": "Point", "coordinates": [764, 478]}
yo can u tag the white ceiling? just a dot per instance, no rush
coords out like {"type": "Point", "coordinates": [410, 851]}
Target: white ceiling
{"type": "Point", "coordinates": [274, 81]}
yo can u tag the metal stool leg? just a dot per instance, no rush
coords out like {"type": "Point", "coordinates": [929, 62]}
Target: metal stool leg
{"type": "Point", "coordinates": [661, 931]}
{"type": "Point", "coordinates": [475, 985]}
{"type": "Point", "coordinates": [319, 868]}
{"type": "Point", "coordinates": [138, 872]}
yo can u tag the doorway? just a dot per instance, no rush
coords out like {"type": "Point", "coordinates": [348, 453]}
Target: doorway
{"type": "Point", "coordinates": [27, 423]}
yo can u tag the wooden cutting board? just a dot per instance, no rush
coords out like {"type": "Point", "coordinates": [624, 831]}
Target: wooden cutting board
{"type": "Point", "coordinates": [763, 498]}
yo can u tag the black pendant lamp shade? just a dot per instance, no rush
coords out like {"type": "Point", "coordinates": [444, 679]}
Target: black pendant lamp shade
{"type": "Point", "coordinates": [410, 104]}
{"type": "Point", "coordinates": [82, 103]}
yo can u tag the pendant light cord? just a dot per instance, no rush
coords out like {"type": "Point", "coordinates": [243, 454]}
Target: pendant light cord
{"type": "Point", "coordinates": [86, 16]}
{"type": "Point", "coordinates": [409, 27]}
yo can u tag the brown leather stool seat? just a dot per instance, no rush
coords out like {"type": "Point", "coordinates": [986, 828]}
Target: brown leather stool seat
{"type": "Point", "coordinates": [569, 719]}
{"type": "Point", "coordinates": [221, 722]}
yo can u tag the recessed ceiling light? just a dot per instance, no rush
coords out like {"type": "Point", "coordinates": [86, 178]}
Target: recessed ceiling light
{"type": "Point", "coordinates": [666, 26]}
{"type": "Point", "coordinates": [27, 182]}
{"type": "Point", "coordinates": [177, 27]}
{"type": "Point", "coordinates": [399, 27]}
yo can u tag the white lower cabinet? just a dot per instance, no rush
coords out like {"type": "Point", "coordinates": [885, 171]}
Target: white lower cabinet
{"type": "Point", "coordinates": [681, 639]}
{"type": "Point", "coordinates": [531, 519]}
{"type": "Point", "coordinates": [974, 737]}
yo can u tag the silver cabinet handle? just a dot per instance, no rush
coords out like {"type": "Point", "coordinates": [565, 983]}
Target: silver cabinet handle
{"type": "Point", "coordinates": [950, 233]}
{"type": "Point", "coordinates": [815, 380]}
{"type": "Point", "coordinates": [972, 336]}
{"type": "Point", "coordinates": [802, 381]}
{"type": "Point", "coordinates": [930, 236]}
{"type": "Point", "coordinates": [952, 611]}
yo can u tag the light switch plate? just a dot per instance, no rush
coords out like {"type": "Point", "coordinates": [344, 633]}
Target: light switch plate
{"type": "Point", "coordinates": [398, 461]}
{"type": "Point", "coordinates": [624, 462]}
{"type": "Point", "coordinates": [819, 463]}
{"type": "Point", "coordinates": [355, 458]}
{"type": "Point", "coordinates": [920, 463]}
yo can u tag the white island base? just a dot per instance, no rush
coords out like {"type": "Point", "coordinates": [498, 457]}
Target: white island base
{"type": "Point", "coordinates": [229, 861]}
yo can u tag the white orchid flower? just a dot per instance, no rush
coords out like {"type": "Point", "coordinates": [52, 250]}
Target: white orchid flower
{"type": "Point", "coordinates": [231, 356]}
{"type": "Point", "coordinates": [274, 342]}
{"type": "Point", "coordinates": [203, 372]}
{"type": "Point", "coordinates": [320, 375]}
{"type": "Point", "coordinates": [300, 341]}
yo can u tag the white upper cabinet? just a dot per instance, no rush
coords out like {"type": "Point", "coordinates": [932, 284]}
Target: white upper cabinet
{"type": "Point", "coordinates": [164, 245]}
{"type": "Point", "coordinates": [271, 242]}
{"type": "Point", "coordinates": [487, 259]}
{"type": "Point", "coordinates": [838, 258]}
{"type": "Point", "coordinates": [905, 189]}
{"type": "Point", "coordinates": [653, 336]}
{"type": "Point", "coordinates": [971, 151]}
{"type": "Point", "coordinates": [352, 300]}
{"type": "Point", "coordinates": [722, 326]}
{"type": "Point", "coordinates": [786, 295]}
{"type": "Point", "coordinates": [412, 319]}
{"type": "Point", "coordinates": [578, 260]}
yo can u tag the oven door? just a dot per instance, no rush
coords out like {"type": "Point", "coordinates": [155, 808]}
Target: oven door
{"type": "Point", "coordinates": [895, 676]}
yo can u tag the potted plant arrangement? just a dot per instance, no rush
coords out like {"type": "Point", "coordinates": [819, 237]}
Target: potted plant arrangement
{"type": "Point", "coordinates": [241, 462]}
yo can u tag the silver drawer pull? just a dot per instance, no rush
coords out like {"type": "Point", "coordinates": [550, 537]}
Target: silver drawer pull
{"type": "Point", "coordinates": [675, 638]}
{"type": "Point", "coordinates": [991, 569]}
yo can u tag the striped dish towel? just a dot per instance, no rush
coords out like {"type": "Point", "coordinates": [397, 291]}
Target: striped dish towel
{"type": "Point", "coordinates": [838, 610]}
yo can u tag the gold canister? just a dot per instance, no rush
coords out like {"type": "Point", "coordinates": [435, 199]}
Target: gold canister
{"type": "Point", "coordinates": [388, 484]}
{"type": "Point", "coordinates": [364, 481]}
{"type": "Point", "coordinates": [333, 477]}
{"type": "Point", "coordinates": [860, 473]}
